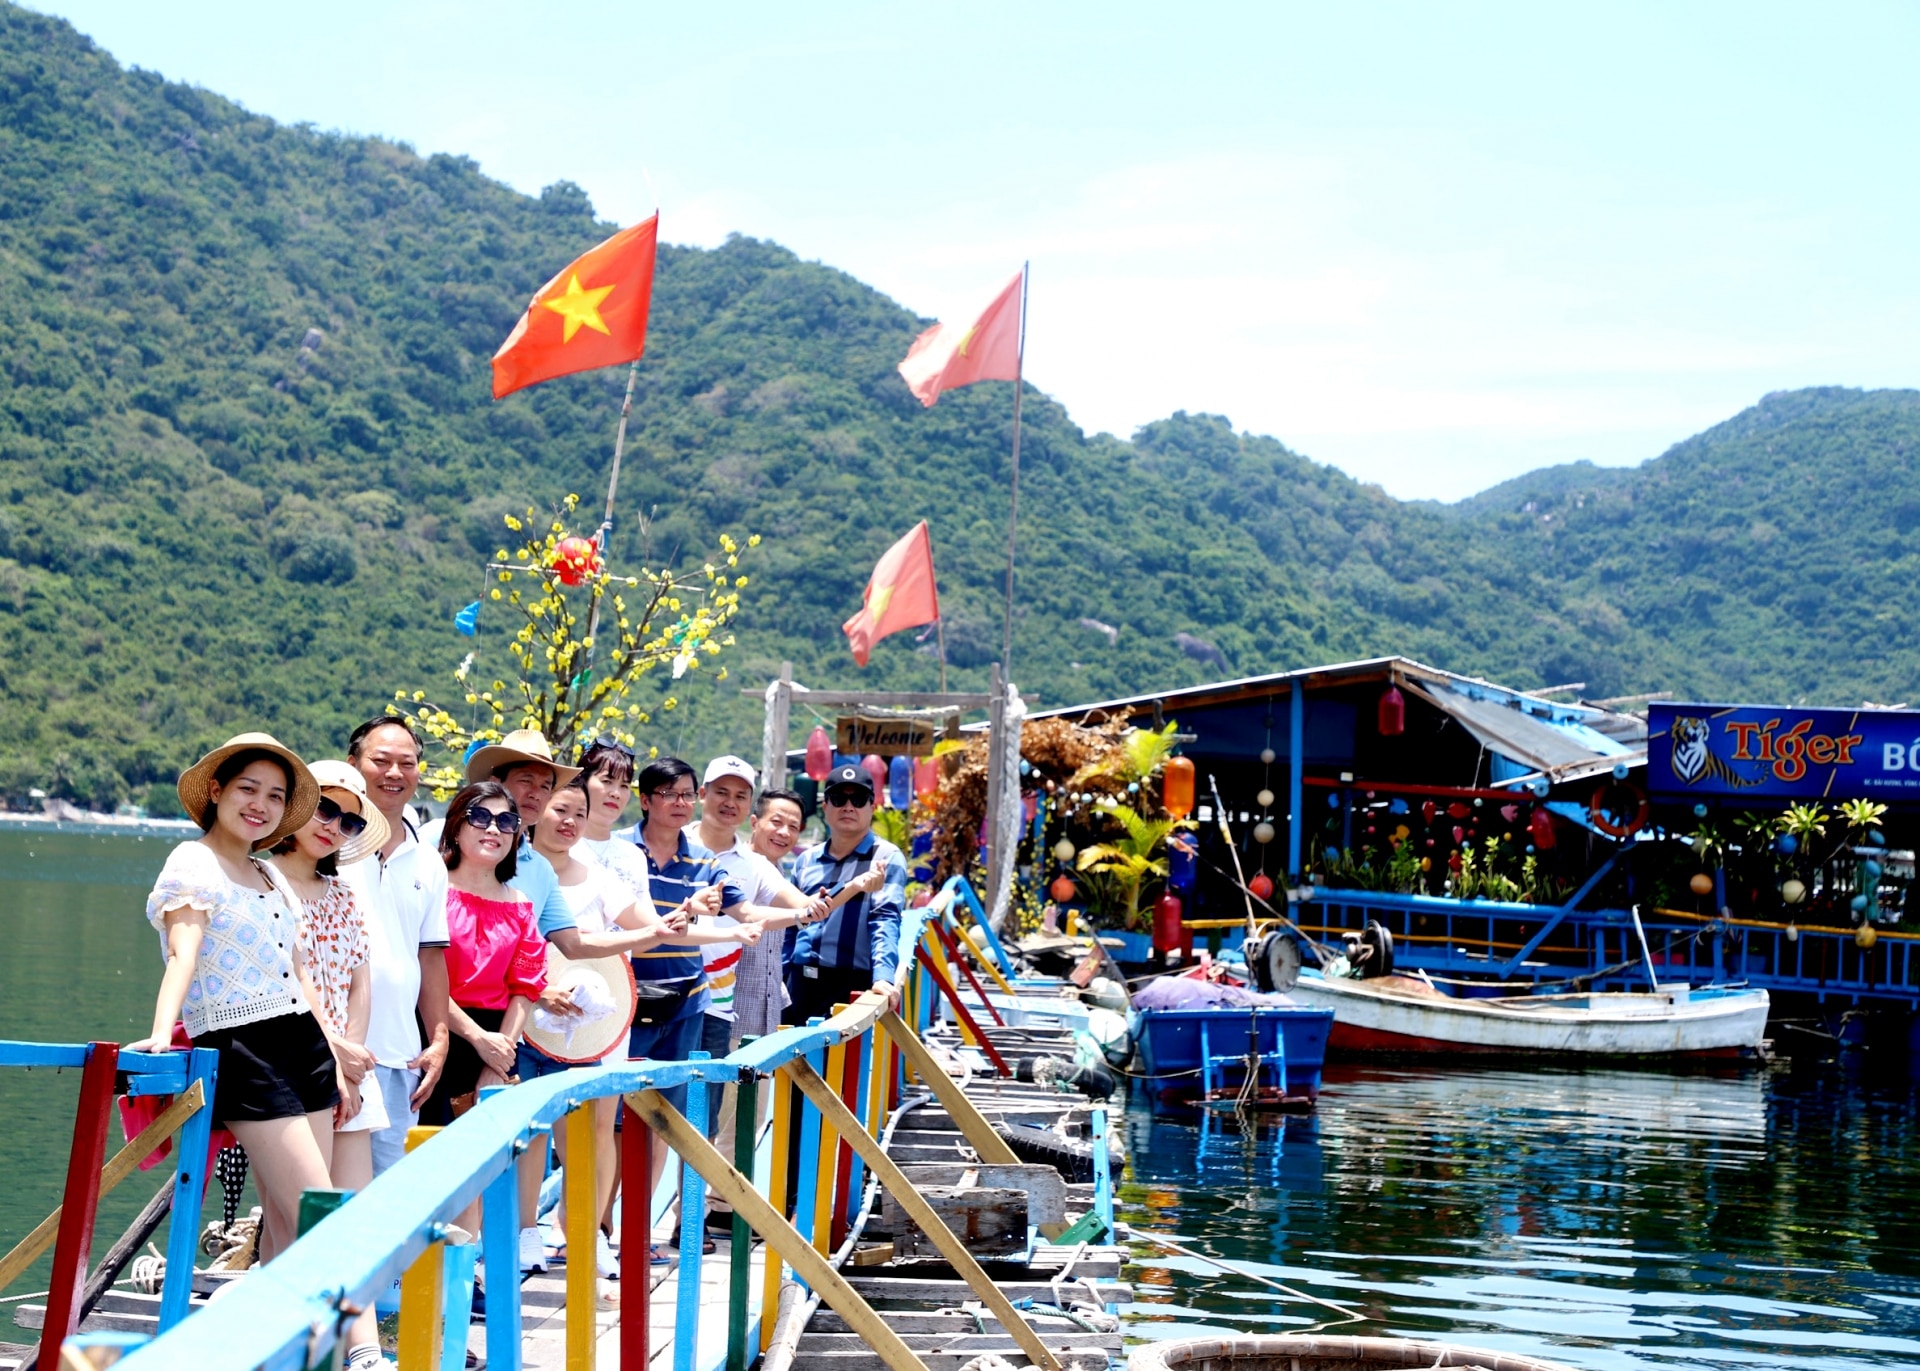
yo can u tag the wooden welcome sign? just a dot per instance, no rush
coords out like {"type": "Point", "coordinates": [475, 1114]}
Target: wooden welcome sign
{"type": "Point", "coordinates": [860, 734]}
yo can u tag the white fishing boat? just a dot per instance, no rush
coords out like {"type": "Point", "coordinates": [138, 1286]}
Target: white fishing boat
{"type": "Point", "coordinates": [1407, 1015]}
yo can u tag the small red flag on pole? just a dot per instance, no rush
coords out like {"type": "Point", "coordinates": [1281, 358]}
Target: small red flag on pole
{"type": "Point", "coordinates": [593, 314]}
{"type": "Point", "coordinates": [984, 348]}
{"type": "Point", "coordinates": [900, 593]}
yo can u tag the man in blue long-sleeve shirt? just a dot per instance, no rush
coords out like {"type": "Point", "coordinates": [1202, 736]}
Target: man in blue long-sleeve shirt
{"type": "Point", "coordinates": [859, 945]}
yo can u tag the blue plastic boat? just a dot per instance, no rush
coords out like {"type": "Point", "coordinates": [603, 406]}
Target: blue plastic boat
{"type": "Point", "coordinates": [1200, 1053]}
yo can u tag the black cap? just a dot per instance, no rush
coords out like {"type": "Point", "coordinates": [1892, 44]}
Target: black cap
{"type": "Point", "coordinates": [845, 776]}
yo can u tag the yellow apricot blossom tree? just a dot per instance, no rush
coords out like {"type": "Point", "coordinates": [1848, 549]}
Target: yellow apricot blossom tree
{"type": "Point", "coordinates": [586, 639]}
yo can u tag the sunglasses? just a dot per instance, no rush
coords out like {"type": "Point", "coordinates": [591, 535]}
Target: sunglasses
{"type": "Point", "coordinates": [503, 819]}
{"type": "Point", "coordinates": [351, 825]}
{"type": "Point", "coordinates": [600, 745]}
{"type": "Point", "coordinates": [857, 799]}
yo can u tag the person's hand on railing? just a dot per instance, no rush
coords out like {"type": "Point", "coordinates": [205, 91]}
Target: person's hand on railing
{"type": "Point", "coordinates": [496, 1052]}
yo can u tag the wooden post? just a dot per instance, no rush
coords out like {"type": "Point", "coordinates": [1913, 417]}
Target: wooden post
{"type": "Point", "coordinates": [78, 1201]}
{"type": "Point", "coordinates": [191, 1158]}
{"type": "Point", "coordinates": [826, 1170]}
{"type": "Point", "coordinates": [782, 1151]}
{"type": "Point", "coordinates": [966, 1019]}
{"type": "Point", "coordinates": [781, 1236]}
{"type": "Point", "coordinates": [693, 1237]}
{"type": "Point", "coordinates": [909, 1199]}
{"type": "Point", "coordinates": [996, 782]}
{"type": "Point", "coordinates": [420, 1290]}
{"type": "Point", "coordinates": [583, 1229]}
{"type": "Point", "coordinates": [846, 1176]}
{"type": "Point", "coordinates": [746, 1121]}
{"type": "Point", "coordinates": [953, 952]}
{"type": "Point", "coordinates": [773, 756]}
{"type": "Point", "coordinates": [636, 1238]}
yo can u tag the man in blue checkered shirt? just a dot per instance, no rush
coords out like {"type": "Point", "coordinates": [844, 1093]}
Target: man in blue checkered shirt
{"type": "Point", "coordinates": [858, 946]}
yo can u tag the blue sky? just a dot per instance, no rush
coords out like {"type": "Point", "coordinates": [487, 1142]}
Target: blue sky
{"type": "Point", "coordinates": [1436, 245]}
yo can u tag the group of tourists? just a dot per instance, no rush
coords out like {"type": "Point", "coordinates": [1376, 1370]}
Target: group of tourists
{"type": "Point", "coordinates": [359, 974]}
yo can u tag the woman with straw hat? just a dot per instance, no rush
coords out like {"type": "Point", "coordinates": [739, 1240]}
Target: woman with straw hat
{"type": "Point", "coordinates": [228, 926]}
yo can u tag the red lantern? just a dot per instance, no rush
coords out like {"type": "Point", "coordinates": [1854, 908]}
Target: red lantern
{"type": "Point", "coordinates": [926, 778]}
{"type": "Point", "coordinates": [1540, 830]}
{"type": "Point", "coordinates": [574, 559]}
{"type": "Point", "coordinates": [1176, 787]}
{"type": "Point", "coordinates": [921, 898]}
{"type": "Point", "coordinates": [1393, 712]}
{"type": "Point", "coordinates": [1029, 806]}
{"type": "Point", "coordinates": [1062, 890]}
{"type": "Point", "coordinates": [876, 766]}
{"type": "Point", "coordinates": [819, 754]}
{"type": "Point", "coordinates": [1261, 886]}
{"type": "Point", "coordinates": [1168, 936]}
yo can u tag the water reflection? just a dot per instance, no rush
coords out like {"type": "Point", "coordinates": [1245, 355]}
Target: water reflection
{"type": "Point", "coordinates": [1607, 1219]}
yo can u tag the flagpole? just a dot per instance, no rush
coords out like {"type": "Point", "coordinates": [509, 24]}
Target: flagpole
{"type": "Point", "coordinates": [606, 519]}
{"type": "Point", "coordinates": [940, 637]}
{"type": "Point", "coordinates": [1013, 508]}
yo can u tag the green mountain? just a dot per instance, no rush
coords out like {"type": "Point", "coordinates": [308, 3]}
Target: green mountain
{"type": "Point", "coordinates": [250, 467]}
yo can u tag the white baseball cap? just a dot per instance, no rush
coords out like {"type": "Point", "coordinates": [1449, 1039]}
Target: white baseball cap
{"type": "Point", "coordinates": [730, 766]}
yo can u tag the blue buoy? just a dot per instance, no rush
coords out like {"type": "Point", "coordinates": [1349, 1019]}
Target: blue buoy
{"type": "Point", "coordinates": [1858, 904]}
{"type": "Point", "coordinates": [1699, 811]}
{"type": "Point", "coordinates": [1788, 844]}
{"type": "Point", "coordinates": [1397, 807]}
{"type": "Point", "coordinates": [1540, 787]}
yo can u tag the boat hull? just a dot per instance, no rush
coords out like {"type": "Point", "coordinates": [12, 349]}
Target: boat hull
{"type": "Point", "coordinates": [1376, 1018]}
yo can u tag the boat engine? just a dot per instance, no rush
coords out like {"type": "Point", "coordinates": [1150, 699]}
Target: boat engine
{"type": "Point", "coordinates": [1370, 952]}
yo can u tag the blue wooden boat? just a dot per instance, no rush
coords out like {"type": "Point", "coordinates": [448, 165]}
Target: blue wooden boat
{"type": "Point", "coordinates": [1194, 1040]}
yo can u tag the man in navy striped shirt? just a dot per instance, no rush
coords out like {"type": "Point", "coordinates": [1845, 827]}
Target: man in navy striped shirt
{"type": "Point", "coordinates": [858, 946]}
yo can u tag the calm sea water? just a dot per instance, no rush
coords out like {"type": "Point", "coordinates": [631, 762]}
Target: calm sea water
{"type": "Point", "coordinates": [1606, 1219]}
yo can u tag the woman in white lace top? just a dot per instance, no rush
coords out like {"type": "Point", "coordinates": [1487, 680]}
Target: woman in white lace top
{"type": "Point", "coordinates": [227, 924]}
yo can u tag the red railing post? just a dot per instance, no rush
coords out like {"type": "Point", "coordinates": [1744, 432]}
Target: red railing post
{"type": "Point", "coordinates": [636, 1238]}
{"type": "Point", "coordinates": [74, 1245]}
{"type": "Point", "coordinates": [849, 1088]}
{"type": "Point", "coordinates": [953, 998]}
{"type": "Point", "coordinates": [953, 951]}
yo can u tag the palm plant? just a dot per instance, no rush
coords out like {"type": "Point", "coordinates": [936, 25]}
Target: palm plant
{"type": "Point", "coordinates": [1135, 857]}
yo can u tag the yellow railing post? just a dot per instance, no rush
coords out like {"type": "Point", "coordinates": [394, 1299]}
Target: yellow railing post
{"type": "Point", "coordinates": [583, 1231]}
{"type": "Point", "coordinates": [776, 1197]}
{"type": "Point", "coordinates": [420, 1293]}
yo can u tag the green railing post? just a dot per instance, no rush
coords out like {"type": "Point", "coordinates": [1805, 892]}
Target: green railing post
{"type": "Point", "coordinates": [740, 1258]}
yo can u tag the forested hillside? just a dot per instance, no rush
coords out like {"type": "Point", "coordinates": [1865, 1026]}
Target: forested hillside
{"type": "Point", "coordinates": [249, 468]}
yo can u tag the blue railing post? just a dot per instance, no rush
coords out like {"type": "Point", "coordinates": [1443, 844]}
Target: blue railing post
{"type": "Point", "coordinates": [804, 1217]}
{"type": "Point", "coordinates": [500, 1254]}
{"type": "Point", "coordinates": [189, 1190]}
{"type": "Point", "coordinates": [693, 1237]}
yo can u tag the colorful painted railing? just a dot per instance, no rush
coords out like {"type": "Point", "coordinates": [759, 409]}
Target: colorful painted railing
{"type": "Point", "coordinates": [189, 1077]}
{"type": "Point", "coordinates": [847, 1073]}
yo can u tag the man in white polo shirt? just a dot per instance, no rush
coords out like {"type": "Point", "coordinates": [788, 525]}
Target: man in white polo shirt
{"type": "Point", "coordinates": [403, 898]}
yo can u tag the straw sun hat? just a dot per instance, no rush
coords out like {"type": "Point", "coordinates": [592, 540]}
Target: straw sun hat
{"type": "Point", "coordinates": [331, 775]}
{"type": "Point", "coordinates": [197, 781]}
{"type": "Point", "coordinates": [521, 745]}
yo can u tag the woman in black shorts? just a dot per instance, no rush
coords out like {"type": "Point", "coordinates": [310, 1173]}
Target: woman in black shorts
{"type": "Point", "coordinates": [227, 926]}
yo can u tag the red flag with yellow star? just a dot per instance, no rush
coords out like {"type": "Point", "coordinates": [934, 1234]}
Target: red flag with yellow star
{"type": "Point", "coordinates": [987, 348]}
{"type": "Point", "coordinates": [593, 314]}
{"type": "Point", "coordinates": [900, 593]}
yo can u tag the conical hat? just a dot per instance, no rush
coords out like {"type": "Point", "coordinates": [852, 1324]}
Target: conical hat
{"type": "Point", "coordinates": [609, 978]}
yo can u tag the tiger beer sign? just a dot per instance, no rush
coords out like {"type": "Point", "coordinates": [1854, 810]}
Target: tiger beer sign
{"type": "Point", "coordinates": [1765, 752]}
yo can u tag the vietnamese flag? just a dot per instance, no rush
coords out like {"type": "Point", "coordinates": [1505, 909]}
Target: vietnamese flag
{"type": "Point", "coordinates": [900, 593]}
{"type": "Point", "coordinates": [986, 348]}
{"type": "Point", "coordinates": [593, 314]}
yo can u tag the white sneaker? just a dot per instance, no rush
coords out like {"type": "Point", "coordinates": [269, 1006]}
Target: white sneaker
{"type": "Point", "coordinates": [603, 1259]}
{"type": "Point", "coordinates": [533, 1253]}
